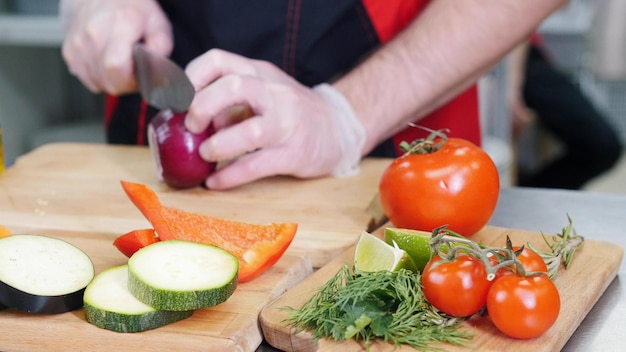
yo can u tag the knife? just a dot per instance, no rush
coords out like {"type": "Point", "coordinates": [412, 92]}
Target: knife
{"type": "Point", "coordinates": [377, 214]}
{"type": "Point", "coordinates": [162, 83]}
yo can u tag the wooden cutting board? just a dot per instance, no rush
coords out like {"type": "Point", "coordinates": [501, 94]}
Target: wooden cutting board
{"type": "Point", "coordinates": [72, 191]}
{"type": "Point", "coordinates": [230, 326]}
{"type": "Point", "coordinates": [593, 269]}
{"type": "Point", "coordinates": [75, 186]}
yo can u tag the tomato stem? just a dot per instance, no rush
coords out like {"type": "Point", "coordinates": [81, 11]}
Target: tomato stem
{"type": "Point", "coordinates": [435, 141]}
{"type": "Point", "coordinates": [449, 245]}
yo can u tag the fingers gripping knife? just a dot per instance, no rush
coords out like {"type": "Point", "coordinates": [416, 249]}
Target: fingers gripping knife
{"type": "Point", "coordinates": [162, 83]}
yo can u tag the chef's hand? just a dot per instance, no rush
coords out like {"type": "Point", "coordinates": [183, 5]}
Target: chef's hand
{"type": "Point", "coordinates": [290, 129]}
{"type": "Point", "coordinates": [100, 36]}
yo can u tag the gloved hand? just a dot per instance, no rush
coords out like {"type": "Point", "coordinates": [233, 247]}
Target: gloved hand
{"type": "Point", "coordinates": [292, 130]}
{"type": "Point", "coordinates": [100, 36]}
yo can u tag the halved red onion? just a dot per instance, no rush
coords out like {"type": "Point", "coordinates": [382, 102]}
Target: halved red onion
{"type": "Point", "coordinates": [175, 151]}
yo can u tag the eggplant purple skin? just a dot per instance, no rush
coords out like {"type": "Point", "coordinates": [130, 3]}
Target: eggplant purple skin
{"type": "Point", "coordinates": [10, 297]}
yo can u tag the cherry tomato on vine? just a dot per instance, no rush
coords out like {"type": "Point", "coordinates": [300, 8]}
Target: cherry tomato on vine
{"type": "Point", "coordinates": [523, 307]}
{"type": "Point", "coordinates": [456, 185]}
{"type": "Point", "coordinates": [493, 260]}
{"type": "Point", "coordinates": [531, 261]}
{"type": "Point", "coordinates": [457, 287]}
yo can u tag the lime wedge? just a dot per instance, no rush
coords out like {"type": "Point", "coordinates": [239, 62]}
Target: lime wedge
{"type": "Point", "coordinates": [414, 242]}
{"type": "Point", "coordinates": [373, 254]}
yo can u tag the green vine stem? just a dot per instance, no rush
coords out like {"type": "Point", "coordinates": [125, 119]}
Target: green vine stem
{"type": "Point", "coordinates": [450, 245]}
{"type": "Point", "coordinates": [435, 141]}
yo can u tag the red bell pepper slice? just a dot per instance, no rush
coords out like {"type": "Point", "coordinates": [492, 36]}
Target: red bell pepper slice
{"type": "Point", "coordinates": [257, 247]}
{"type": "Point", "coordinates": [131, 242]}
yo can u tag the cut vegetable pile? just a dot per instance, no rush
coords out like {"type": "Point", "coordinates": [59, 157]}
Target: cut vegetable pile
{"type": "Point", "coordinates": [110, 305]}
{"type": "Point", "coordinates": [257, 247]}
{"type": "Point", "coordinates": [162, 283]}
{"type": "Point", "coordinates": [186, 262]}
{"type": "Point", "coordinates": [40, 274]}
{"type": "Point", "coordinates": [181, 275]}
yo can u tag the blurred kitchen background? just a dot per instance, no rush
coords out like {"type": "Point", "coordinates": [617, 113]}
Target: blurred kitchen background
{"type": "Point", "coordinates": [40, 102]}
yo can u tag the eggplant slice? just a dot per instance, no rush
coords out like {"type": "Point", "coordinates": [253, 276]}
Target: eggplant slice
{"type": "Point", "coordinates": [40, 274]}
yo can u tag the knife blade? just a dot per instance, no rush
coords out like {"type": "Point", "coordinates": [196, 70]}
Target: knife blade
{"type": "Point", "coordinates": [377, 215]}
{"type": "Point", "coordinates": [162, 83]}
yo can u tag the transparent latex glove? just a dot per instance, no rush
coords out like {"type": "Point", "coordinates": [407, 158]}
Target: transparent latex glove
{"type": "Point", "coordinates": [287, 128]}
{"type": "Point", "coordinates": [100, 35]}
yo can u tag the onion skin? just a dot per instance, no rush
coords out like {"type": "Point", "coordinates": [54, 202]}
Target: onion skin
{"type": "Point", "coordinates": [175, 151]}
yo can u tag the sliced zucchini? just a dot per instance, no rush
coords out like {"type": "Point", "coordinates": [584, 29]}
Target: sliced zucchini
{"type": "Point", "coordinates": [109, 305]}
{"type": "Point", "coordinates": [182, 275]}
{"type": "Point", "coordinates": [41, 274]}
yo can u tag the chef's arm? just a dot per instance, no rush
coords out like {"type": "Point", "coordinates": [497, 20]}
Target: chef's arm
{"type": "Point", "coordinates": [440, 54]}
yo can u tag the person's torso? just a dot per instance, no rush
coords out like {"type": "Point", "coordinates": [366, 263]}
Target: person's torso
{"type": "Point", "coordinates": [312, 40]}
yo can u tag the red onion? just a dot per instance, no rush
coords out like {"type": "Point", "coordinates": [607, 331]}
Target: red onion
{"type": "Point", "coordinates": [175, 150]}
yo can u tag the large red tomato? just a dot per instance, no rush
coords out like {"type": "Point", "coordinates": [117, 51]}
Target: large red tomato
{"type": "Point", "coordinates": [457, 185]}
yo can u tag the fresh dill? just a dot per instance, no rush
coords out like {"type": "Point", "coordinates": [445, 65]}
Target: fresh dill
{"type": "Point", "coordinates": [370, 306]}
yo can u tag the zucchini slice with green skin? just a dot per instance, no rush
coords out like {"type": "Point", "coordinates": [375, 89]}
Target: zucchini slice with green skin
{"type": "Point", "coordinates": [182, 275]}
{"type": "Point", "coordinates": [109, 305]}
{"type": "Point", "coordinates": [41, 274]}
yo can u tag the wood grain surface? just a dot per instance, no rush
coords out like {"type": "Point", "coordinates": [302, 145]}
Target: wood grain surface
{"type": "Point", "coordinates": [594, 267]}
{"type": "Point", "coordinates": [230, 326]}
{"type": "Point", "coordinates": [72, 191]}
{"type": "Point", "coordinates": [75, 186]}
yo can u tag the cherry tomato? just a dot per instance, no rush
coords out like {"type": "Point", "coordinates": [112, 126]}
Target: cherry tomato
{"type": "Point", "coordinates": [458, 287]}
{"type": "Point", "coordinates": [523, 307]}
{"type": "Point", "coordinates": [531, 261]}
{"type": "Point", "coordinates": [493, 260]}
{"type": "Point", "coordinates": [457, 185]}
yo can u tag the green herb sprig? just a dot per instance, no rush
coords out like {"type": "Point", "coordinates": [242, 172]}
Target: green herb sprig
{"type": "Point", "coordinates": [563, 246]}
{"type": "Point", "coordinates": [381, 305]}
